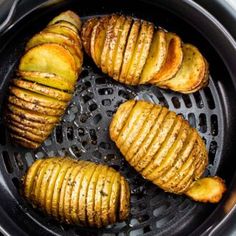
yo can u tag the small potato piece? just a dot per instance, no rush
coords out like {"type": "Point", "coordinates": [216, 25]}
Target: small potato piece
{"type": "Point", "coordinates": [43, 90]}
{"type": "Point", "coordinates": [124, 199]}
{"type": "Point", "coordinates": [63, 62]}
{"type": "Point", "coordinates": [156, 57]}
{"type": "Point", "coordinates": [48, 79]}
{"type": "Point", "coordinates": [24, 142]}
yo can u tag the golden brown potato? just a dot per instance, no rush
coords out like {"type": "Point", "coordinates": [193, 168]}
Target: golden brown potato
{"type": "Point", "coordinates": [47, 72]}
{"type": "Point", "coordinates": [133, 52]}
{"type": "Point", "coordinates": [77, 192]}
{"type": "Point", "coordinates": [164, 149]}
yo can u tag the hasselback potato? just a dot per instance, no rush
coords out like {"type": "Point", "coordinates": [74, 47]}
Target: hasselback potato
{"type": "Point", "coordinates": [77, 192]}
{"type": "Point", "coordinates": [164, 149]}
{"type": "Point", "coordinates": [133, 51]}
{"type": "Point", "coordinates": [46, 79]}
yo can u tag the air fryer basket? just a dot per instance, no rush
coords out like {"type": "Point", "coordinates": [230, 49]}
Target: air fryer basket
{"type": "Point", "coordinates": [83, 132]}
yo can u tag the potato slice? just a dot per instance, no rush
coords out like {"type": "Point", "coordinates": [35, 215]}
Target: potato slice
{"type": "Point", "coordinates": [120, 47]}
{"type": "Point", "coordinates": [34, 107]}
{"type": "Point", "coordinates": [208, 189]}
{"type": "Point", "coordinates": [147, 126]}
{"type": "Point", "coordinates": [24, 142]}
{"type": "Point", "coordinates": [33, 116]}
{"type": "Point", "coordinates": [162, 132]}
{"type": "Point", "coordinates": [91, 196]}
{"type": "Point", "coordinates": [67, 43]}
{"type": "Point", "coordinates": [167, 155]}
{"type": "Point", "coordinates": [68, 190]}
{"type": "Point", "coordinates": [136, 127]}
{"type": "Point", "coordinates": [137, 160]}
{"type": "Point", "coordinates": [108, 43]}
{"type": "Point", "coordinates": [67, 24]}
{"type": "Point", "coordinates": [43, 90]}
{"type": "Point", "coordinates": [28, 123]}
{"type": "Point", "coordinates": [83, 193]}
{"type": "Point", "coordinates": [129, 50]}
{"type": "Point", "coordinates": [191, 73]}
{"type": "Point", "coordinates": [29, 178]}
{"type": "Point", "coordinates": [173, 60]}
{"type": "Point", "coordinates": [124, 199]}
{"type": "Point", "coordinates": [63, 62]}
{"type": "Point", "coordinates": [106, 194]}
{"type": "Point", "coordinates": [97, 40]}
{"type": "Point", "coordinates": [114, 199]}
{"type": "Point", "coordinates": [98, 197]}
{"type": "Point", "coordinates": [113, 42]}
{"type": "Point", "coordinates": [119, 119]}
{"type": "Point", "coordinates": [37, 99]}
{"type": "Point", "coordinates": [156, 57]}
{"type": "Point", "coordinates": [166, 142]}
{"type": "Point", "coordinates": [68, 16]}
{"type": "Point", "coordinates": [128, 127]}
{"type": "Point", "coordinates": [48, 79]}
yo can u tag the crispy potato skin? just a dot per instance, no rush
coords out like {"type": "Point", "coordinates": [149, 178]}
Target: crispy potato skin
{"type": "Point", "coordinates": [47, 75]}
{"type": "Point", "coordinates": [133, 51]}
{"type": "Point", "coordinates": [164, 149]}
{"type": "Point", "coordinates": [77, 192]}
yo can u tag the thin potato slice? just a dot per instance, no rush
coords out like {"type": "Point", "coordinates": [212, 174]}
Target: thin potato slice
{"type": "Point", "coordinates": [191, 73]}
{"type": "Point", "coordinates": [165, 158]}
{"type": "Point", "coordinates": [120, 47]}
{"type": "Point", "coordinates": [67, 43]}
{"type": "Point", "coordinates": [83, 193]}
{"type": "Point", "coordinates": [168, 140]}
{"type": "Point", "coordinates": [24, 142]}
{"type": "Point", "coordinates": [137, 160]}
{"type": "Point", "coordinates": [107, 43]}
{"type": "Point", "coordinates": [28, 123]}
{"type": "Point", "coordinates": [162, 132]}
{"type": "Point", "coordinates": [68, 191]}
{"type": "Point", "coordinates": [97, 41]}
{"type": "Point", "coordinates": [33, 116]}
{"type": "Point", "coordinates": [146, 129]}
{"type": "Point", "coordinates": [86, 32]}
{"type": "Point", "coordinates": [114, 199]}
{"type": "Point", "coordinates": [91, 195]}
{"type": "Point", "coordinates": [119, 119]}
{"type": "Point", "coordinates": [112, 47]}
{"type": "Point", "coordinates": [47, 79]}
{"type": "Point", "coordinates": [43, 90]}
{"type": "Point", "coordinates": [63, 62]}
{"type": "Point", "coordinates": [128, 127]}
{"type": "Point", "coordinates": [124, 199]}
{"type": "Point", "coordinates": [67, 24]}
{"type": "Point", "coordinates": [136, 127]}
{"type": "Point", "coordinates": [156, 57]}
{"type": "Point", "coordinates": [129, 50]}
{"type": "Point", "coordinates": [173, 60]}
{"type": "Point", "coordinates": [208, 189]}
{"type": "Point", "coordinates": [37, 99]}
{"type": "Point", "coordinates": [98, 196]}
{"type": "Point", "coordinates": [34, 107]}
{"type": "Point", "coordinates": [29, 178]}
{"type": "Point", "coordinates": [68, 16]}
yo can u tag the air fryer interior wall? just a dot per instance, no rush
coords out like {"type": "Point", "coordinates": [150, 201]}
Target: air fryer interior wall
{"type": "Point", "coordinates": [83, 132]}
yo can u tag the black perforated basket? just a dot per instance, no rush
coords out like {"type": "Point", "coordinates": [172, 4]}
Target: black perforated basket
{"type": "Point", "coordinates": [83, 131]}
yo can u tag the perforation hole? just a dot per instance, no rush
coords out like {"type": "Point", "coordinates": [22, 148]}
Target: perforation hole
{"type": "Point", "coordinates": [106, 102]}
{"type": "Point", "coordinates": [110, 113]}
{"type": "Point", "coordinates": [81, 132]}
{"type": "Point", "coordinates": [214, 125]}
{"type": "Point", "coordinates": [97, 154]}
{"type": "Point", "coordinates": [93, 107]}
{"type": "Point", "coordinates": [104, 145]}
{"type": "Point", "coordinates": [100, 80]}
{"type": "Point", "coordinates": [59, 136]}
{"type": "Point", "coordinates": [198, 99]}
{"type": "Point", "coordinates": [7, 162]}
{"type": "Point", "coordinates": [175, 102]}
{"type": "Point", "coordinates": [84, 117]}
{"type": "Point", "coordinates": [192, 120]}
{"type": "Point", "coordinates": [212, 151]}
{"type": "Point", "coordinates": [93, 136]}
{"type": "Point", "coordinates": [202, 123]}
{"type": "Point", "coordinates": [125, 94]}
{"type": "Point", "coordinates": [97, 119]}
{"type": "Point", "coordinates": [3, 135]}
{"type": "Point", "coordinates": [209, 98]}
{"type": "Point", "coordinates": [18, 160]}
{"type": "Point", "coordinates": [70, 133]}
{"type": "Point", "coordinates": [87, 97]}
{"type": "Point", "coordinates": [187, 100]}
{"type": "Point", "coordinates": [105, 91]}
{"type": "Point", "coordinates": [110, 157]}
{"type": "Point", "coordinates": [163, 102]}
{"type": "Point", "coordinates": [75, 151]}
{"type": "Point", "coordinates": [163, 221]}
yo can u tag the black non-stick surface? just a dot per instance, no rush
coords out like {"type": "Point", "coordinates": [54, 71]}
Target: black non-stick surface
{"type": "Point", "coordinates": [83, 132]}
